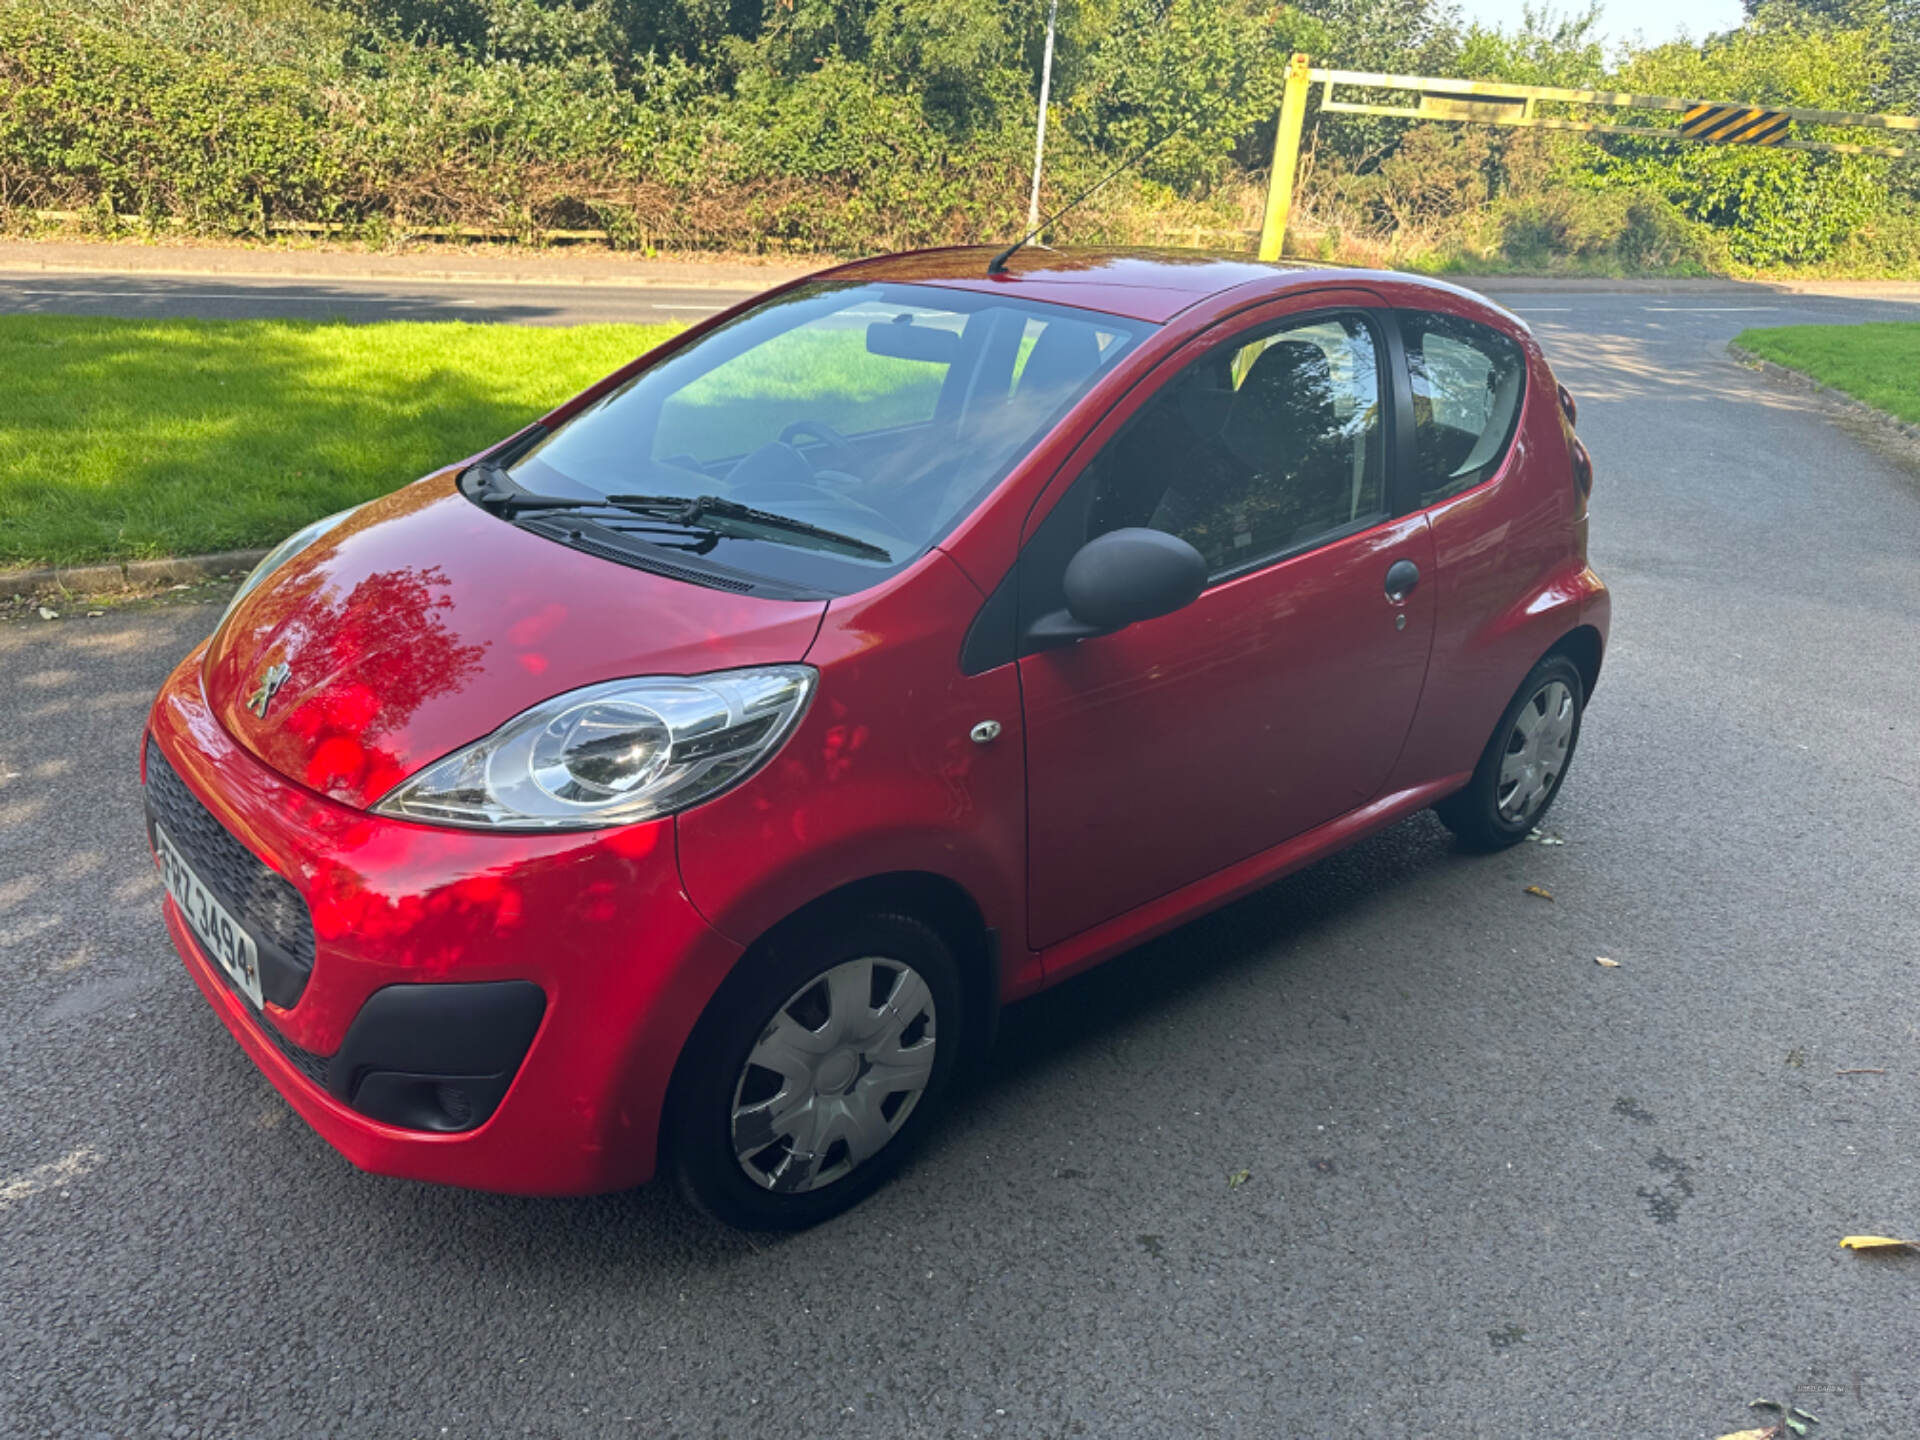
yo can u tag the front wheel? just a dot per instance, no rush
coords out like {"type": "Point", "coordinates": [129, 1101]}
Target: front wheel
{"type": "Point", "coordinates": [1522, 768]}
{"type": "Point", "coordinates": [813, 1070]}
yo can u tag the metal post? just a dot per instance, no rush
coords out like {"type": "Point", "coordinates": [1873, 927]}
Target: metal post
{"type": "Point", "coordinates": [1286, 157]}
{"type": "Point", "coordinates": [1040, 137]}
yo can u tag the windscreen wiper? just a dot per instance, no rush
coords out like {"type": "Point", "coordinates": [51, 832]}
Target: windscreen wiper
{"type": "Point", "coordinates": [682, 510]}
{"type": "Point", "coordinates": [494, 490]}
{"type": "Point", "coordinates": [491, 487]}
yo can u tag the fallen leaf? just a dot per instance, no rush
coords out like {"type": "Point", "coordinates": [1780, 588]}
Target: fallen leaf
{"type": "Point", "coordinates": [1877, 1242]}
{"type": "Point", "coordinates": [1603, 960]}
{"type": "Point", "coordinates": [1238, 1178]}
{"type": "Point", "coordinates": [1797, 1426]}
{"type": "Point", "coordinates": [1763, 1434]}
{"type": "Point", "coordinates": [1806, 1415]}
{"type": "Point", "coordinates": [1537, 891]}
{"type": "Point", "coordinates": [49, 614]}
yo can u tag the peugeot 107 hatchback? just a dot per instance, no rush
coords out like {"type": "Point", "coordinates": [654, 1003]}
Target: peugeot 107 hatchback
{"type": "Point", "coordinates": [690, 779]}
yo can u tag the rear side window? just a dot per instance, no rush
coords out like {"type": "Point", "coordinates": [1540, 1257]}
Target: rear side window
{"type": "Point", "coordinates": [1468, 381]}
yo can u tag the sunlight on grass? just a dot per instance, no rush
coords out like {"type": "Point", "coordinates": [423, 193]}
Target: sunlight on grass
{"type": "Point", "coordinates": [1877, 363]}
{"type": "Point", "coordinates": [821, 374]}
{"type": "Point", "coordinates": [124, 438]}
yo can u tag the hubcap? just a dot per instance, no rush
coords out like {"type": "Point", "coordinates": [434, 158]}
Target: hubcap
{"type": "Point", "coordinates": [834, 1075]}
{"type": "Point", "coordinates": [1536, 752]}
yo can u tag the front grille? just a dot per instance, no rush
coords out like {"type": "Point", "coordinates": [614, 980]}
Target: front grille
{"type": "Point", "coordinates": [313, 1066]}
{"type": "Point", "coordinates": [259, 899]}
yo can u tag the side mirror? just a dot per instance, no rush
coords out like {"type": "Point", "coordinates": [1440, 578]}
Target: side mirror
{"type": "Point", "coordinates": [1120, 579]}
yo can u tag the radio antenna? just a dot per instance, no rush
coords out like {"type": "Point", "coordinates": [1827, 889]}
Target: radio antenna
{"type": "Point", "coordinates": [998, 264]}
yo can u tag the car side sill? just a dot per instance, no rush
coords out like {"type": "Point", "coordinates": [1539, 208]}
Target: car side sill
{"type": "Point", "coordinates": [1169, 911]}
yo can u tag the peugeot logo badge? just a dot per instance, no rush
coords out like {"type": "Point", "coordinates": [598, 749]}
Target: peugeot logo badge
{"type": "Point", "coordinates": [269, 687]}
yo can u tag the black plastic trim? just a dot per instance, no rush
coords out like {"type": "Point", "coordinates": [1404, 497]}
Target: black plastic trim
{"type": "Point", "coordinates": [430, 1102]}
{"type": "Point", "coordinates": [1403, 455]}
{"type": "Point", "coordinates": [1040, 573]}
{"type": "Point", "coordinates": [514, 446]}
{"type": "Point", "coordinates": [1402, 578]}
{"type": "Point", "coordinates": [993, 639]}
{"type": "Point", "coordinates": [410, 1040]}
{"type": "Point", "coordinates": [263, 901]}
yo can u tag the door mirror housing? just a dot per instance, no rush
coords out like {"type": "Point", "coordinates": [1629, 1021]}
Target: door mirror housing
{"type": "Point", "coordinates": [1119, 579]}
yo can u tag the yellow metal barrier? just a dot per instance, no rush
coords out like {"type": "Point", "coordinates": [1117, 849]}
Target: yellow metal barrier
{"type": "Point", "coordinates": [1485, 102]}
{"type": "Point", "coordinates": [1286, 156]}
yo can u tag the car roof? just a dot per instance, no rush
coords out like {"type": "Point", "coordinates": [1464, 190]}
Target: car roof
{"type": "Point", "coordinates": [1141, 284]}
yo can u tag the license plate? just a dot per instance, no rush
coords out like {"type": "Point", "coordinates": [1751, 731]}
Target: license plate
{"type": "Point", "coordinates": [218, 932]}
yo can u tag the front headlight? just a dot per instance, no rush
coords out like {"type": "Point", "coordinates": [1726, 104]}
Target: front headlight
{"type": "Point", "coordinates": [611, 754]}
{"type": "Point", "coordinates": [280, 554]}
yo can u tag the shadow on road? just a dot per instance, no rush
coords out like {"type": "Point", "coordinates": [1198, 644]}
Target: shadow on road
{"type": "Point", "coordinates": [606, 1241]}
{"type": "Point", "coordinates": [1209, 954]}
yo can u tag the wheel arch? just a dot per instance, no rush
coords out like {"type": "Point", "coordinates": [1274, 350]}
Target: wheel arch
{"type": "Point", "coordinates": [1584, 647]}
{"type": "Point", "coordinates": [937, 901]}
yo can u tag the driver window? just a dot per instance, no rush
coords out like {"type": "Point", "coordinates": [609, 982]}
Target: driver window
{"type": "Point", "coordinates": [1261, 448]}
{"type": "Point", "coordinates": [822, 371]}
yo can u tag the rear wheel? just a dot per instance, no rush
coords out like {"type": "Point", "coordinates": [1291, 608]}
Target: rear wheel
{"type": "Point", "coordinates": [1522, 768]}
{"type": "Point", "coordinates": [814, 1070]}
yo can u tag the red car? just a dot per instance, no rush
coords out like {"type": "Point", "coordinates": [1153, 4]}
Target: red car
{"type": "Point", "coordinates": [689, 780]}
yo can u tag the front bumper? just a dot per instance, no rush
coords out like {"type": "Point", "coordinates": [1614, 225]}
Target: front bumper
{"type": "Point", "coordinates": [598, 922]}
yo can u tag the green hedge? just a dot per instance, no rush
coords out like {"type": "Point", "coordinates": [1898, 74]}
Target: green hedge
{"type": "Point", "coordinates": [97, 119]}
{"type": "Point", "coordinates": [92, 116]}
{"type": "Point", "coordinates": [857, 125]}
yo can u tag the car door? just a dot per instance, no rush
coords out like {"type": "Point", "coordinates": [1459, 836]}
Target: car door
{"type": "Point", "coordinates": [1277, 700]}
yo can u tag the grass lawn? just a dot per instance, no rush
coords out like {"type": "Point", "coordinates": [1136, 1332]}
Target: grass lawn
{"type": "Point", "coordinates": [134, 438]}
{"type": "Point", "coordinates": [1879, 363]}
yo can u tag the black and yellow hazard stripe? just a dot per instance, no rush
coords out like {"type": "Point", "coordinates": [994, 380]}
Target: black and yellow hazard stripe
{"type": "Point", "coordinates": [1735, 125]}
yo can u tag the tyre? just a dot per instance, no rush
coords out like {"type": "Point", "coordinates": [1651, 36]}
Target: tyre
{"type": "Point", "coordinates": [814, 1070]}
{"type": "Point", "coordinates": [1522, 768]}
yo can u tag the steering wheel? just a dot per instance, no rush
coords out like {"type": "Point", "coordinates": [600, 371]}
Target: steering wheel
{"type": "Point", "coordinates": [840, 449]}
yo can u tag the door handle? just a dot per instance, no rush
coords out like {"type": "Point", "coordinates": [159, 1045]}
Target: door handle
{"type": "Point", "coordinates": [1402, 576]}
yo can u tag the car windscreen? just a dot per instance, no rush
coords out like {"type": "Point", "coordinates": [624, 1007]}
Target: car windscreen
{"type": "Point", "coordinates": [860, 423]}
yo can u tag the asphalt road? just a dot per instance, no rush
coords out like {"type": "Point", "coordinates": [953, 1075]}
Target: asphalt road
{"type": "Point", "coordinates": [241, 297]}
{"type": "Point", "coordinates": [1493, 1188]}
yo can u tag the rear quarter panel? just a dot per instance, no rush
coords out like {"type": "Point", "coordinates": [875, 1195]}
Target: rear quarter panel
{"type": "Point", "coordinates": [1512, 575]}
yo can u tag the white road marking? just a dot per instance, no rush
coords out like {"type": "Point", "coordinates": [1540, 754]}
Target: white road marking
{"type": "Point", "coordinates": [1709, 309]}
{"type": "Point", "coordinates": [70, 1166]}
{"type": "Point", "coordinates": [701, 309]}
{"type": "Point", "coordinates": [1543, 309]}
